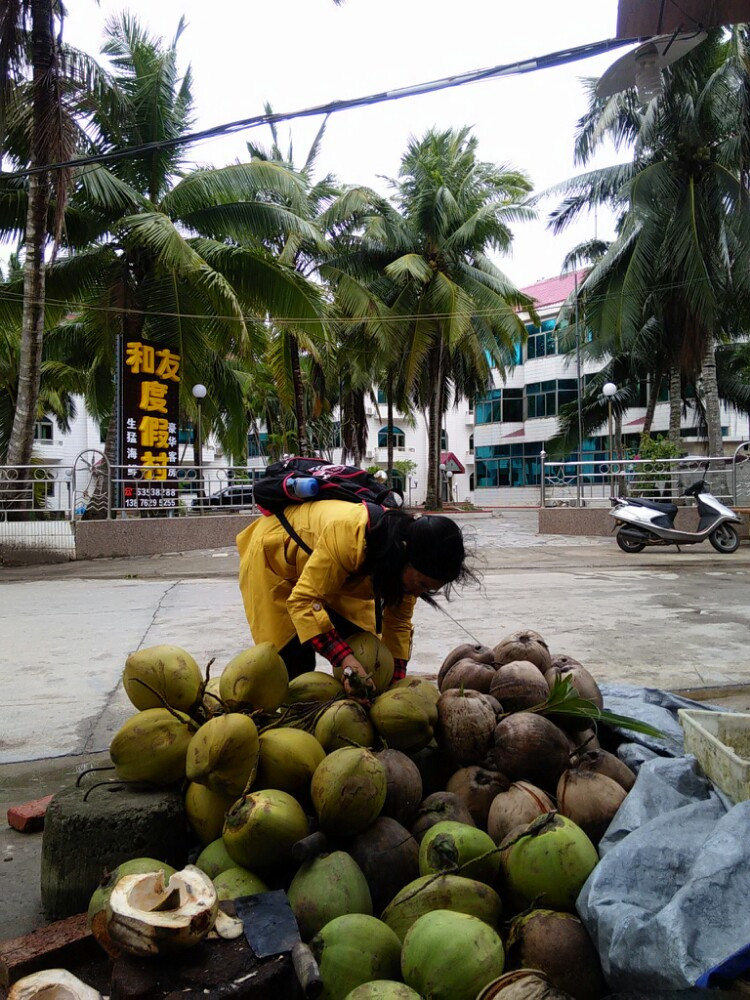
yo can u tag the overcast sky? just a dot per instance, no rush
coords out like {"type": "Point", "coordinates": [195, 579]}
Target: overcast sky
{"type": "Point", "coordinates": [299, 53]}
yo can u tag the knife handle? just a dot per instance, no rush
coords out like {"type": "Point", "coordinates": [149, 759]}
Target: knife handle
{"type": "Point", "coordinates": [307, 971]}
{"type": "Point", "coordinates": [310, 847]}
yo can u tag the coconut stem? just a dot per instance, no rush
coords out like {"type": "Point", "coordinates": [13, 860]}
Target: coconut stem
{"type": "Point", "coordinates": [193, 726]}
{"type": "Point", "coordinates": [92, 770]}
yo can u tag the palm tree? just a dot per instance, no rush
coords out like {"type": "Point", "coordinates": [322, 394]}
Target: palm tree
{"type": "Point", "coordinates": [457, 311]}
{"type": "Point", "coordinates": [681, 258]}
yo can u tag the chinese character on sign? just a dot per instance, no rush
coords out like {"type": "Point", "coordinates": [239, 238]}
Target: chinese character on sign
{"type": "Point", "coordinates": [169, 365]}
{"type": "Point", "coordinates": [140, 357]}
{"type": "Point", "coordinates": [160, 459]}
{"type": "Point", "coordinates": [154, 432]}
{"type": "Point", "coordinates": [154, 397]}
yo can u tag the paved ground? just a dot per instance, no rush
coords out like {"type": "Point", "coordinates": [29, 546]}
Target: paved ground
{"type": "Point", "coordinates": [661, 618]}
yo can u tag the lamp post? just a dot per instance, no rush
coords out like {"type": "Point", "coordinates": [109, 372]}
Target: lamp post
{"type": "Point", "coordinates": [449, 486]}
{"type": "Point", "coordinates": [199, 394]}
{"type": "Point", "coordinates": [609, 389]}
{"type": "Point", "coordinates": [442, 481]}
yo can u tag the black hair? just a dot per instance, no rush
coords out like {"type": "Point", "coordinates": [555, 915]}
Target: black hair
{"type": "Point", "coordinates": [432, 544]}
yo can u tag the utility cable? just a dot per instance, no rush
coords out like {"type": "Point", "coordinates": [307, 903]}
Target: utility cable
{"type": "Point", "coordinates": [549, 61]}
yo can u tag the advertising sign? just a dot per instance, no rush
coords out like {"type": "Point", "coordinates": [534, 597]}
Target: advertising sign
{"type": "Point", "coordinates": [150, 414]}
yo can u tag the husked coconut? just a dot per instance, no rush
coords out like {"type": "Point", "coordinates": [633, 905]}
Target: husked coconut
{"type": "Point", "coordinates": [582, 740]}
{"type": "Point", "coordinates": [52, 984]}
{"type": "Point", "coordinates": [558, 945]}
{"type": "Point", "coordinates": [151, 917]}
{"type": "Point", "coordinates": [404, 786]}
{"type": "Point", "coordinates": [525, 644]}
{"type": "Point", "coordinates": [435, 767]}
{"type": "Point", "coordinates": [590, 800]}
{"type": "Point", "coordinates": [522, 984]}
{"type": "Point", "coordinates": [477, 788]}
{"type": "Point", "coordinates": [471, 674]}
{"type": "Point", "coordinates": [466, 651]}
{"type": "Point", "coordinates": [517, 806]}
{"type": "Point", "coordinates": [388, 857]}
{"type": "Point", "coordinates": [438, 807]}
{"type": "Point", "coordinates": [602, 762]}
{"type": "Point", "coordinates": [529, 747]}
{"type": "Point", "coordinates": [580, 678]}
{"type": "Point", "coordinates": [466, 722]}
{"type": "Point", "coordinates": [519, 685]}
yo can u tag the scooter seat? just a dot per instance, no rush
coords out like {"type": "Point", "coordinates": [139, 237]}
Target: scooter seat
{"type": "Point", "coordinates": [669, 509]}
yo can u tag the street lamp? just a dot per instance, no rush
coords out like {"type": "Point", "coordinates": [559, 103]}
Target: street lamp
{"type": "Point", "coordinates": [199, 393]}
{"type": "Point", "coordinates": [449, 486]}
{"type": "Point", "coordinates": [609, 389]}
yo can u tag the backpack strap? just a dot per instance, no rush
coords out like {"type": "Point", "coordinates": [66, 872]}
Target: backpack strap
{"type": "Point", "coordinates": [290, 531]}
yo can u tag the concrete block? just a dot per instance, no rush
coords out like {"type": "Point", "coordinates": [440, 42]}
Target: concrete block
{"type": "Point", "coordinates": [86, 837]}
{"type": "Point", "coordinates": [29, 818]}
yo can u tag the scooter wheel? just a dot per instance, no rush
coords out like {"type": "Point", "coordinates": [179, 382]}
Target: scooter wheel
{"type": "Point", "coordinates": [628, 544]}
{"type": "Point", "coordinates": [725, 539]}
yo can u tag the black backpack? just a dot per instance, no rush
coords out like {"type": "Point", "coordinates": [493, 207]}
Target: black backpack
{"type": "Point", "coordinates": [274, 491]}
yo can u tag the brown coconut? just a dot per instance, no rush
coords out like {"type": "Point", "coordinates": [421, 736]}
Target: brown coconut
{"type": "Point", "coordinates": [466, 651]}
{"type": "Point", "coordinates": [389, 858]}
{"type": "Point", "coordinates": [466, 723]}
{"type": "Point", "coordinates": [603, 762]}
{"type": "Point", "coordinates": [403, 786]}
{"type": "Point", "coordinates": [522, 984]}
{"type": "Point", "coordinates": [518, 806]}
{"type": "Point", "coordinates": [529, 747]}
{"type": "Point", "coordinates": [477, 788]}
{"type": "Point", "coordinates": [558, 945]}
{"type": "Point", "coordinates": [590, 800]}
{"type": "Point", "coordinates": [435, 768]}
{"type": "Point", "coordinates": [436, 808]}
{"type": "Point", "coordinates": [469, 674]}
{"type": "Point", "coordinates": [582, 740]}
{"type": "Point", "coordinates": [583, 682]}
{"type": "Point", "coordinates": [525, 644]}
{"type": "Point", "coordinates": [519, 685]}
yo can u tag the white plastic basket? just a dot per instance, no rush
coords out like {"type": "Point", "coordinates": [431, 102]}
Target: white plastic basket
{"type": "Point", "coordinates": [721, 743]}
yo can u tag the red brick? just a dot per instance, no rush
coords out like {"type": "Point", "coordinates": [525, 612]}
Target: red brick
{"type": "Point", "coordinates": [57, 945]}
{"type": "Point", "coordinates": [29, 817]}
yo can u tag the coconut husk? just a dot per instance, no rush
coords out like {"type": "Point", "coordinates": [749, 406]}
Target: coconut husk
{"type": "Point", "coordinates": [477, 788]}
{"type": "Point", "coordinates": [403, 786]}
{"type": "Point", "coordinates": [436, 808]}
{"type": "Point", "coordinates": [581, 679]}
{"type": "Point", "coordinates": [523, 984]}
{"type": "Point", "coordinates": [519, 685]}
{"type": "Point", "coordinates": [603, 762]}
{"type": "Point", "coordinates": [528, 747]}
{"type": "Point", "coordinates": [389, 858]}
{"type": "Point", "coordinates": [468, 674]}
{"type": "Point", "coordinates": [521, 803]}
{"type": "Point", "coordinates": [525, 644]}
{"type": "Point", "coordinates": [558, 945]}
{"type": "Point", "coordinates": [435, 768]}
{"type": "Point", "coordinates": [466, 723]}
{"type": "Point", "coordinates": [590, 800]}
{"type": "Point", "coordinates": [466, 651]}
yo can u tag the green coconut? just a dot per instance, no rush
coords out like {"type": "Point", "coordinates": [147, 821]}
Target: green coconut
{"type": "Point", "coordinates": [314, 686]}
{"type": "Point", "coordinates": [348, 790]}
{"type": "Point", "coordinates": [374, 656]}
{"type": "Point", "coordinates": [449, 845]}
{"type": "Point", "coordinates": [206, 811]}
{"type": "Point", "coordinates": [261, 828]}
{"type": "Point", "coordinates": [343, 724]}
{"type": "Point", "coordinates": [255, 679]}
{"type": "Point", "coordinates": [98, 912]}
{"type": "Point", "coordinates": [152, 747]}
{"type": "Point", "coordinates": [287, 761]}
{"type": "Point", "coordinates": [442, 892]}
{"type": "Point", "coordinates": [328, 886]}
{"type": "Point", "coordinates": [354, 949]}
{"type": "Point", "coordinates": [451, 956]}
{"type": "Point", "coordinates": [548, 862]}
{"type": "Point", "coordinates": [223, 754]}
{"type": "Point", "coordinates": [383, 989]}
{"type": "Point", "coordinates": [417, 685]}
{"type": "Point", "coordinates": [236, 882]}
{"type": "Point", "coordinates": [214, 859]}
{"type": "Point", "coordinates": [169, 670]}
{"type": "Point", "coordinates": [404, 720]}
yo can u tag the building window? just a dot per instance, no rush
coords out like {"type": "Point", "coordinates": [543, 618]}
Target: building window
{"type": "Point", "coordinates": [471, 405]}
{"type": "Point", "coordinates": [399, 438]}
{"type": "Point", "coordinates": [500, 405]}
{"type": "Point", "coordinates": [443, 440]}
{"type": "Point", "coordinates": [256, 445]}
{"type": "Point", "coordinates": [542, 340]}
{"type": "Point", "coordinates": [382, 398]}
{"type": "Point", "coordinates": [544, 399]}
{"type": "Point", "coordinates": [43, 429]}
{"type": "Point", "coordinates": [471, 482]}
{"type": "Point", "coordinates": [471, 444]}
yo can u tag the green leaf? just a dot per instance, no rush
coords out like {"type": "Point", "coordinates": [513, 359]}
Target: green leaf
{"type": "Point", "coordinates": [565, 700]}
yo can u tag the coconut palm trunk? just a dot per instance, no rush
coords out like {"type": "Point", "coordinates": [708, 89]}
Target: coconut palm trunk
{"type": "Point", "coordinates": [711, 400]}
{"type": "Point", "coordinates": [299, 397]}
{"type": "Point", "coordinates": [654, 386]}
{"type": "Point", "coordinates": [675, 405]}
{"type": "Point", "coordinates": [389, 395]}
{"type": "Point", "coordinates": [433, 500]}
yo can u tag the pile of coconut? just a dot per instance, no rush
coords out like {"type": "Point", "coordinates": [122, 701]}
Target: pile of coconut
{"type": "Point", "coordinates": [459, 819]}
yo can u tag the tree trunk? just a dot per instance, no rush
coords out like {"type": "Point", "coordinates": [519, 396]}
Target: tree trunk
{"type": "Point", "coordinates": [32, 329]}
{"type": "Point", "coordinates": [389, 394]}
{"type": "Point", "coordinates": [675, 406]}
{"type": "Point", "coordinates": [711, 400]}
{"type": "Point", "coordinates": [653, 395]}
{"type": "Point", "coordinates": [299, 397]}
{"type": "Point", "coordinates": [432, 499]}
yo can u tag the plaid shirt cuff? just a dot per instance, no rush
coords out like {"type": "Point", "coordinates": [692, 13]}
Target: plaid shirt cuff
{"type": "Point", "coordinates": [331, 646]}
{"type": "Point", "coordinates": [399, 671]}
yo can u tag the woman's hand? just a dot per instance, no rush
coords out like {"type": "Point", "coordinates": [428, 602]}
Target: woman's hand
{"type": "Point", "coordinates": [359, 686]}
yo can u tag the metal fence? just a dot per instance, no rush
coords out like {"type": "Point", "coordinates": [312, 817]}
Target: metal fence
{"type": "Point", "coordinates": [591, 484]}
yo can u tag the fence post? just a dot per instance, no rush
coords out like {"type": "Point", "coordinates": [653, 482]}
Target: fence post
{"type": "Point", "coordinates": [542, 496]}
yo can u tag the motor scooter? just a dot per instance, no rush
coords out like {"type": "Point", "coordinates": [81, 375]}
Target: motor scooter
{"type": "Point", "coordinates": [650, 522]}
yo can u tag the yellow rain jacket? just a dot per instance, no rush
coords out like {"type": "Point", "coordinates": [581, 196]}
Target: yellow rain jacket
{"type": "Point", "coordinates": [286, 591]}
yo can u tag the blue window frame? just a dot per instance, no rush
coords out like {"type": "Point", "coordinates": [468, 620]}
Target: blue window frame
{"type": "Point", "coordinates": [500, 405]}
{"type": "Point", "coordinates": [542, 340]}
{"type": "Point", "coordinates": [399, 438]}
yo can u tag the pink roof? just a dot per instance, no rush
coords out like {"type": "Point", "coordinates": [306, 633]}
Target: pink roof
{"type": "Point", "coordinates": [552, 291]}
{"type": "Point", "coordinates": [514, 434]}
